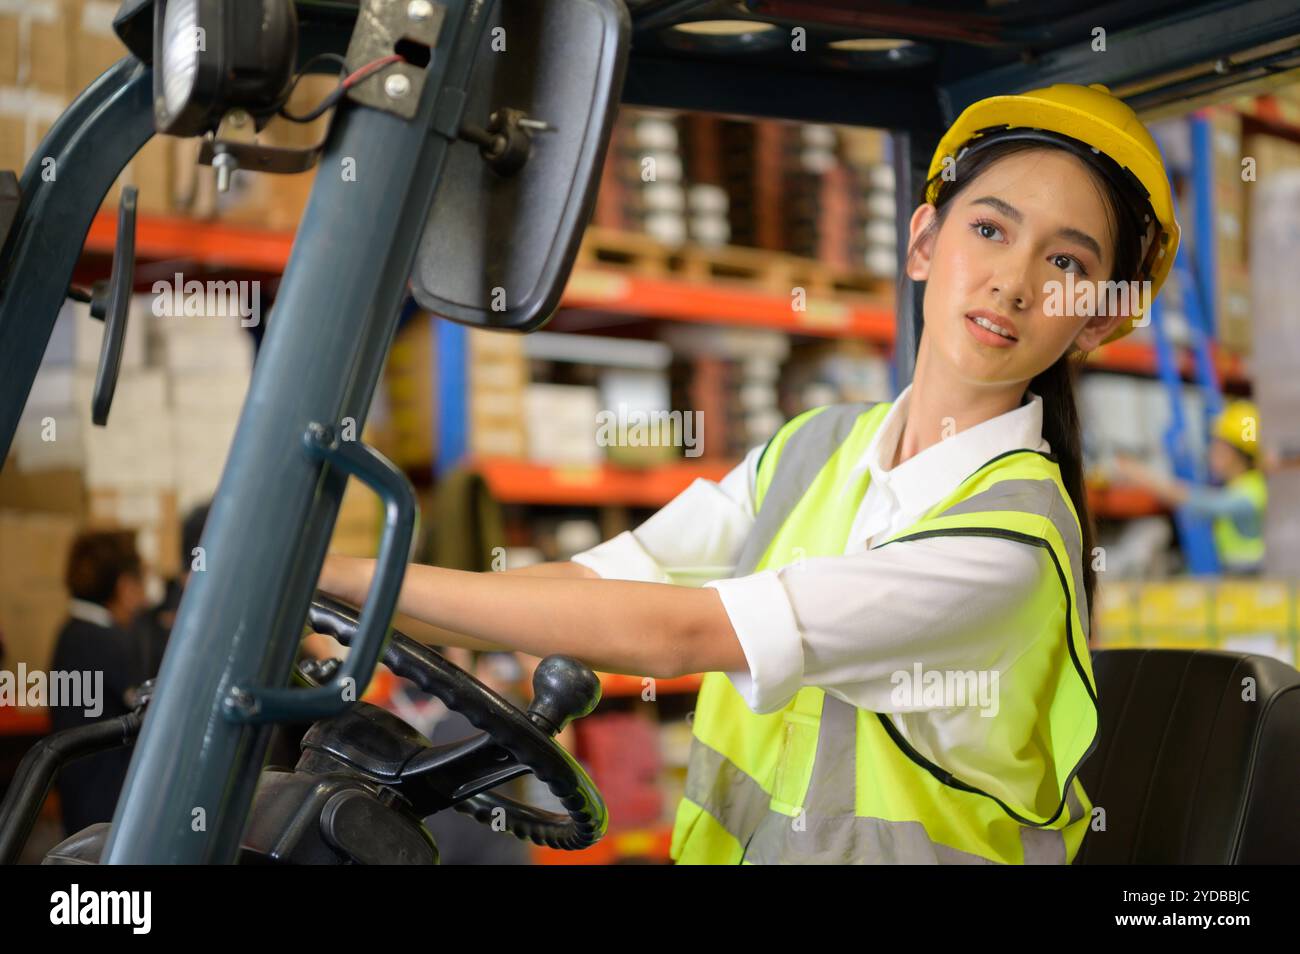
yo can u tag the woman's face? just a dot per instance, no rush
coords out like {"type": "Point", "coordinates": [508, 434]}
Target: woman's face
{"type": "Point", "coordinates": [1009, 241]}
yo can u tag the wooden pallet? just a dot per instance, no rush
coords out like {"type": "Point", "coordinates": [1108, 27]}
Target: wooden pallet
{"type": "Point", "coordinates": [759, 269]}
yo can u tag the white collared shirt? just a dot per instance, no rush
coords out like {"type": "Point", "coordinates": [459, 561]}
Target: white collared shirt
{"type": "Point", "coordinates": [848, 624]}
{"type": "Point", "coordinates": [89, 612]}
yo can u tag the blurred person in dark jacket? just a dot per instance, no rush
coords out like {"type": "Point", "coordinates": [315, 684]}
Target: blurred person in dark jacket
{"type": "Point", "coordinates": [105, 579]}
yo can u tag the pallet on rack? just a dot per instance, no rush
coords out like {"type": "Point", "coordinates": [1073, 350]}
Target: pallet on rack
{"type": "Point", "coordinates": [759, 269]}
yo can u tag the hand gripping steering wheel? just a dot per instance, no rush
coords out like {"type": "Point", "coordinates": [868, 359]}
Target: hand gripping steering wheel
{"type": "Point", "coordinates": [513, 742]}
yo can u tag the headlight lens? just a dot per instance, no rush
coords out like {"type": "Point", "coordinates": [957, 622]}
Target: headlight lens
{"type": "Point", "coordinates": [182, 41]}
{"type": "Point", "coordinates": [213, 56]}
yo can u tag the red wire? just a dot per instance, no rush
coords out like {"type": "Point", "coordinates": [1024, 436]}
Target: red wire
{"type": "Point", "coordinates": [370, 68]}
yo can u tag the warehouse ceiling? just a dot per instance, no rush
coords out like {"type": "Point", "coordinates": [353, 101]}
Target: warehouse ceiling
{"type": "Point", "coordinates": [901, 65]}
{"type": "Point", "coordinates": [916, 65]}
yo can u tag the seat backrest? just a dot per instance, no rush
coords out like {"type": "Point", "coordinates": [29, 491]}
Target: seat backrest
{"type": "Point", "coordinates": [1198, 760]}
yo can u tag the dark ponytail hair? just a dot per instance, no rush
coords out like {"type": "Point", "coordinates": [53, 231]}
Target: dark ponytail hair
{"type": "Point", "coordinates": [1055, 385]}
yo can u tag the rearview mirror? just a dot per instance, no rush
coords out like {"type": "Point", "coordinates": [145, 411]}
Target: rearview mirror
{"type": "Point", "coordinates": [498, 247]}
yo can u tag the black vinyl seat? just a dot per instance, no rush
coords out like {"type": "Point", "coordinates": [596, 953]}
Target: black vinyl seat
{"type": "Point", "coordinates": [1198, 760]}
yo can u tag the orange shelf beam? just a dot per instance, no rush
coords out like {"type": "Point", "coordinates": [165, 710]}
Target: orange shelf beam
{"type": "Point", "coordinates": [1141, 359]}
{"type": "Point", "coordinates": [21, 720]}
{"type": "Point", "coordinates": [1123, 503]}
{"type": "Point", "coordinates": [719, 302]}
{"type": "Point", "coordinates": [652, 843]}
{"type": "Point", "coordinates": [615, 684]}
{"type": "Point", "coordinates": [211, 243]}
{"type": "Point", "coordinates": [521, 481]}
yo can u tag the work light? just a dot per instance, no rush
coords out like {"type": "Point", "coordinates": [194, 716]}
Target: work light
{"type": "Point", "coordinates": [211, 56]}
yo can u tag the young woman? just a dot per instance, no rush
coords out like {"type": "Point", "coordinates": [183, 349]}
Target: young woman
{"type": "Point", "coordinates": [889, 602]}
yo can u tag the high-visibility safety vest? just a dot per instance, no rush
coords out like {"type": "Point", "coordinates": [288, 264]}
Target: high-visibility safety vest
{"type": "Point", "coordinates": [825, 782]}
{"type": "Point", "coordinates": [1239, 551]}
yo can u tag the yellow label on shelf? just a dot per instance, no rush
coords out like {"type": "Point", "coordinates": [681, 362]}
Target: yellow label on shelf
{"type": "Point", "coordinates": [597, 284]}
{"type": "Point", "coordinates": [824, 313]}
{"type": "Point", "coordinates": [635, 843]}
{"type": "Point", "coordinates": [576, 475]}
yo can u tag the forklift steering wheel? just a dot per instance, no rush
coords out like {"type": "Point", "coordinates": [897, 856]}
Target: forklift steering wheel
{"type": "Point", "coordinates": [563, 689]}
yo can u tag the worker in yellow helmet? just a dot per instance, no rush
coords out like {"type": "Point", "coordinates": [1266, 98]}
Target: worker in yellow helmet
{"type": "Point", "coordinates": [1238, 505]}
{"type": "Point", "coordinates": [833, 584]}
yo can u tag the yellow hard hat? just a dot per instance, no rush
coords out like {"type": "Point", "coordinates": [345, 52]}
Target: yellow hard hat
{"type": "Point", "coordinates": [1092, 116]}
{"type": "Point", "coordinates": [1238, 424]}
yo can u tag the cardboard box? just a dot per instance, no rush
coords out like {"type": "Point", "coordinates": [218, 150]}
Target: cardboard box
{"type": "Point", "coordinates": [220, 392]}
{"type": "Point", "coordinates": [229, 350]}
{"type": "Point", "coordinates": [50, 438]}
{"type": "Point", "coordinates": [30, 623]}
{"type": "Point", "coordinates": [10, 47]}
{"type": "Point", "coordinates": [26, 114]}
{"type": "Point", "coordinates": [152, 173]}
{"type": "Point", "coordinates": [95, 47]}
{"type": "Point", "coordinates": [153, 513]}
{"type": "Point", "coordinates": [1233, 310]}
{"type": "Point", "coordinates": [33, 549]}
{"type": "Point", "coordinates": [35, 36]}
{"type": "Point", "coordinates": [55, 491]}
{"type": "Point", "coordinates": [49, 45]}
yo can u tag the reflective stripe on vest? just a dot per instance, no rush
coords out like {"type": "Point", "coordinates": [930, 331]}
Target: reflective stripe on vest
{"type": "Point", "coordinates": [840, 784]}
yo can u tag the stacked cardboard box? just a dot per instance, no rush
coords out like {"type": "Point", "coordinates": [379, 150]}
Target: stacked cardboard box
{"type": "Point", "coordinates": [357, 528]}
{"type": "Point", "coordinates": [1275, 288]}
{"type": "Point", "coordinates": [1232, 307]}
{"type": "Point", "coordinates": [498, 383]}
{"type": "Point", "coordinates": [52, 50]}
{"type": "Point", "coordinates": [405, 421]}
{"type": "Point", "coordinates": [178, 397]}
{"type": "Point", "coordinates": [33, 600]}
{"type": "Point", "coordinates": [36, 72]}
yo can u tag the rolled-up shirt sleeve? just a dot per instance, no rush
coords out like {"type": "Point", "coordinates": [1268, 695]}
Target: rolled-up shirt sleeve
{"type": "Point", "coordinates": [694, 538]}
{"type": "Point", "coordinates": [849, 624]}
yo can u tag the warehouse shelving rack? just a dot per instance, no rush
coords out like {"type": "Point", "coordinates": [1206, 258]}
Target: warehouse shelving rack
{"type": "Point", "coordinates": [241, 248]}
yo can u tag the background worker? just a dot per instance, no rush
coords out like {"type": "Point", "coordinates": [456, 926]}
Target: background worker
{"type": "Point", "coordinates": [105, 579]}
{"type": "Point", "coordinates": [1237, 506]}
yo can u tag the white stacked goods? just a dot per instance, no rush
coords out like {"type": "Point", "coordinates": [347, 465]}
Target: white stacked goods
{"type": "Point", "coordinates": [1275, 289]}
{"type": "Point", "coordinates": [206, 415]}
{"type": "Point", "coordinates": [561, 422]}
{"type": "Point", "coordinates": [661, 196]}
{"type": "Point", "coordinates": [1111, 408]}
{"type": "Point", "coordinates": [817, 153]}
{"type": "Point", "coordinates": [734, 343]}
{"type": "Point", "coordinates": [708, 206]}
{"type": "Point", "coordinates": [220, 345]}
{"type": "Point", "coordinates": [133, 449]}
{"type": "Point", "coordinates": [881, 231]}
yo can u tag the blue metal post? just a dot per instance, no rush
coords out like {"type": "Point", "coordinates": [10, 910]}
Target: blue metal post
{"type": "Point", "coordinates": [452, 358]}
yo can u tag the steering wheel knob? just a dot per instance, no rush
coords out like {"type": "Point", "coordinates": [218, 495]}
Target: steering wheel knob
{"type": "Point", "coordinates": [563, 690]}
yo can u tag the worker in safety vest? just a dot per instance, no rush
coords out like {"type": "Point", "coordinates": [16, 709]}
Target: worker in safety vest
{"type": "Point", "coordinates": [1237, 506]}
{"type": "Point", "coordinates": [890, 602]}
